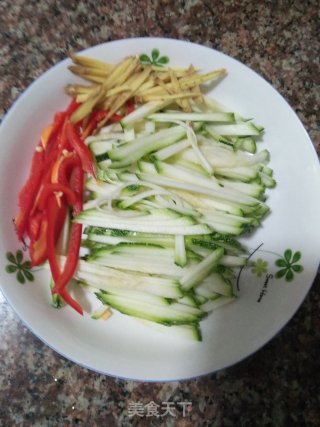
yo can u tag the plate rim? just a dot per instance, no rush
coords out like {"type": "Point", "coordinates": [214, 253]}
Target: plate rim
{"type": "Point", "coordinates": [11, 111]}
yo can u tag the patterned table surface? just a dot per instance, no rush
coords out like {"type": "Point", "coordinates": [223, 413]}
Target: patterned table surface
{"type": "Point", "coordinates": [277, 386]}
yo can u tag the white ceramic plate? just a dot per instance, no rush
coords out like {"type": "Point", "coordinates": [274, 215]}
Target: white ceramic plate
{"type": "Point", "coordinates": [122, 347]}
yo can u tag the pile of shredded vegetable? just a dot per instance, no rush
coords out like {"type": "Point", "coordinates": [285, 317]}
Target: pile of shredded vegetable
{"type": "Point", "coordinates": [53, 192]}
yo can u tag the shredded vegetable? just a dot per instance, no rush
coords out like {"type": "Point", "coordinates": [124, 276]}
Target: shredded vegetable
{"type": "Point", "coordinates": [148, 183]}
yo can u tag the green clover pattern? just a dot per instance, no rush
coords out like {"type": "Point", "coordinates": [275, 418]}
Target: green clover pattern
{"type": "Point", "coordinates": [154, 59]}
{"type": "Point", "coordinates": [289, 265]}
{"type": "Point", "coordinates": [19, 266]}
{"type": "Point", "coordinates": [259, 267]}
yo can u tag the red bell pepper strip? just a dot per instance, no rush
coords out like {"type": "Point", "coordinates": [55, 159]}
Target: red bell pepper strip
{"type": "Point", "coordinates": [70, 301]}
{"type": "Point", "coordinates": [69, 163]}
{"type": "Point", "coordinates": [45, 180]}
{"type": "Point", "coordinates": [55, 169]}
{"type": "Point", "coordinates": [34, 224]}
{"type": "Point", "coordinates": [62, 168]}
{"type": "Point", "coordinates": [72, 258]}
{"type": "Point", "coordinates": [69, 268]}
{"type": "Point", "coordinates": [49, 134]}
{"type": "Point", "coordinates": [62, 140]}
{"type": "Point", "coordinates": [62, 214]}
{"type": "Point", "coordinates": [38, 248]}
{"type": "Point", "coordinates": [130, 106]}
{"type": "Point", "coordinates": [90, 127]}
{"type": "Point", "coordinates": [56, 216]}
{"type": "Point", "coordinates": [56, 147]}
{"type": "Point", "coordinates": [116, 118]}
{"type": "Point", "coordinates": [72, 107]}
{"type": "Point", "coordinates": [81, 149]}
{"type": "Point", "coordinates": [92, 123]}
{"type": "Point", "coordinates": [29, 192]}
{"type": "Point", "coordinates": [61, 143]}
{"type": "Point", "coordinates": [57, 136]}
{"type": "Point", "coordinates": [101, 114]}
{"type": "Point", "coordinates": [52, 215]}
{"type": "Point", "coordinates": [76, 183]}
{"type": "Point", "coordinates": [53, 210]}
{"type": "Point", "coordinates": [47, 191]}
{"type": "Point", "coordinates": [95, 118]}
